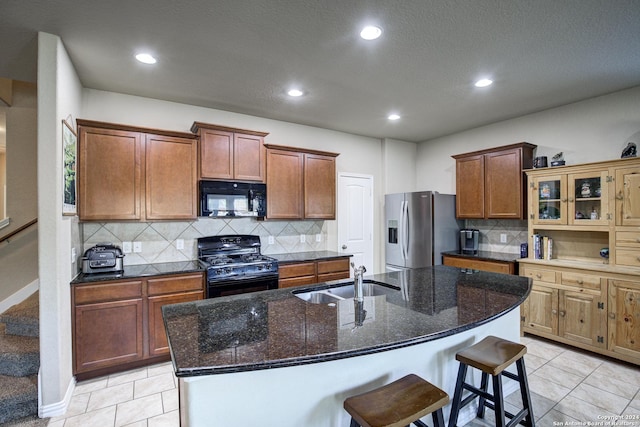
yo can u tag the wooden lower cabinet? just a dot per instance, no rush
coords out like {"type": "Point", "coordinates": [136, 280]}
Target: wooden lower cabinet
{"type": "Point", "coordinates": [480, 264]}
{"type": "Point", "coordinates": [584, 308]}
{"type": "Point", "coordinates": [118, 324]}
{"type": "Point", "coordinates": [108, 334]}
{"type": "Point", "coordinates": [624, 318]}
{"type": "Point", "coordinates": [310, 272]}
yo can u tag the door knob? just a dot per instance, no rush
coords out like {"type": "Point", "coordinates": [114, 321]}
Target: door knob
{"type": "Point", "coordinates": [344, 246]}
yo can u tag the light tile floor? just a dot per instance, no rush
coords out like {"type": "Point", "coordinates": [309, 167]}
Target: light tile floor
{"type": "Point", "coordinates": [569, 387]}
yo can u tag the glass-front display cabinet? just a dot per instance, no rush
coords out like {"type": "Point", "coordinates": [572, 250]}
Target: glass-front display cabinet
{"type": "Point", "coordinates": [549, 198]}
{"type": "Point", "coordinates": [588, 198]}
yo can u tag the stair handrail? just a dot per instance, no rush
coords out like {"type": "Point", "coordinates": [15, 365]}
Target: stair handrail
{"type": "Point", "coordinates": [18, 230]}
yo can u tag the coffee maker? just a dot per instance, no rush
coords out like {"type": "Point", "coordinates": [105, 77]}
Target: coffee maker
{"type": "Point", "coordinates": [469, 241]}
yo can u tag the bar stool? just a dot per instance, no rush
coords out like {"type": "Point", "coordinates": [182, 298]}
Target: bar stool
{"type": "Point", "coordinates": [492, 356]}
{"type": "Point", "coordinates": [397, 404]}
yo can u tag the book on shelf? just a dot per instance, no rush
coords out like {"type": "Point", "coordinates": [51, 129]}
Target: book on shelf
{"type": "Point", "coordinates": [542, 247]}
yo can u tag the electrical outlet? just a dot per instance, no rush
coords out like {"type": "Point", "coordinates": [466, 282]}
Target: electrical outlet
{"type": "Point", "coordinates": [180, 244]}
{"type": "Point", "coordinates": [318, 237]}
{"type": "Point", "coordinates": [137, 247]}
{"type": "Point", "coordinates": [271, 240]}
{"type": "Point", "coordinates": [302, 238]}
{"type": "Point", "coordinates": [503, 238]}
{"type": "Point", "coordinates": [126, 247]}
{"type": "Point", "coordinates": [73, 255]}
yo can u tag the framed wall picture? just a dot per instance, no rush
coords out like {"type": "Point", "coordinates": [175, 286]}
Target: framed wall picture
{"type": "Point", "coordinates": [69, 144]}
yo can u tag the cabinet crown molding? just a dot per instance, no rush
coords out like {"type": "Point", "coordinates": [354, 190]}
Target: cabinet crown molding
{"type": "Point", "coordinates": [129, 128]}
{"type": "Point", "coordinates": [195, 128]}
{"type": "Point", "coordinates": [493, 149]}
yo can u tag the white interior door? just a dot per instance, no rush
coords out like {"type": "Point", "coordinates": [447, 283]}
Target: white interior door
{"type": "Point", "coordinates": [355, 218]}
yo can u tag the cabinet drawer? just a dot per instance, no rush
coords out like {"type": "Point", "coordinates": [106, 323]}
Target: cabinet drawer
{"type": "Point", "coordinates": [295, 270]}
{"type": "Point", "coordinates": [169, 285]}
{"type": "Point", "coordinates": [581, 280]}
{"type": "Point", "coordinates": [630, 257]}
{"type": "Point", "coordinates": [628, 239]}
{"type": "Point", "coordinates": [540, 275]}
{"type": "Point", "coordinates": [333, 266]}
{"type": "Point", "coordinates": [327, 277]}
{"type": "Point", "coordinates": [86, 294]}
{"type": "Point", "coordinates": [296, 281]}
{"type": "Point", "coordinates": [476, 264]}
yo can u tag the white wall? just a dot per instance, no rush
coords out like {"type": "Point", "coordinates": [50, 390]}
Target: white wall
{"type": "Point", "coordinates": [399, 166]}
{"type": "Point", "coordinates": [358, 154]}
{"type": "Point", "coordinates": [587, 131]}
{"type": "Point", "coordinates": [59, 95]}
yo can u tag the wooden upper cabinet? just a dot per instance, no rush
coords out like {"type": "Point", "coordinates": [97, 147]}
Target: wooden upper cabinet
{"type": "Point", "coordinates": [171, 191]}
{"type": "Point", "coordinates": [285, 184]}
{"type": "Point", "coordinates": [470, 187]}
{"type": "Point", "coordinates": [491, 184]}
{"type": "Point", "coordinates": [319, 186]}
{"type": "Point", "coordinates": [231, 153]}
{"type": "Point", "coordinates": [627, 196]}
{"type": "Point", "coordinates": [110, 169]}
{"type": "Point", "coordinates": [300, 183]}
{"type": "Point", "coordinates": [130, 173]}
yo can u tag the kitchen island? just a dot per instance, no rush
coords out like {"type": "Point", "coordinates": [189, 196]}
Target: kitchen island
{"type": "Point", "coordinates": [271, 358]}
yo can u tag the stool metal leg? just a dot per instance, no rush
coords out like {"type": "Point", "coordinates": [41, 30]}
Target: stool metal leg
{"type": "Point", "coordinates": [484, 386]}
{"type": "Point", "coordinates": [498, 402]}
{"type": "Point", "coordinates": [457, 397]}
{"type": "Point", "coordinates": [354, 423]}
{"type": "Point", "coordinates": [438, 418]}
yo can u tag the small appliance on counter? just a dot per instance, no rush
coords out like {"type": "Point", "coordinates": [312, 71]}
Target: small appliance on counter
{"type": "Point", "coordinates": [102, 258]}
{"type": "Point", "coordinates": [469, 241]}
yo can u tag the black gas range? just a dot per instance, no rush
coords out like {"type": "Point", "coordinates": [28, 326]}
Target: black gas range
{"type": "Point", "coordinates": [235, 265]}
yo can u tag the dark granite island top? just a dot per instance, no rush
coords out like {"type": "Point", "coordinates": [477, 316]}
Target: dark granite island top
{"type": "Point", "coordinates": [275, 328]}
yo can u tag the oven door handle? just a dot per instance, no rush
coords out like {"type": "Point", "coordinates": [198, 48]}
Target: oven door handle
{"type": "Point", "coordinates": [250, 201]}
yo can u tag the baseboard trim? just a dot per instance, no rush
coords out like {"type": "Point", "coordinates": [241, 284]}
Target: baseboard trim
{"type": "Point", "coordinates": [19, 296]}
{"type": "Point", "coordinates": [58, 408]}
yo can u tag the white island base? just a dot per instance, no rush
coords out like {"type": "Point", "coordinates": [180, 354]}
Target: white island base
{"type": "Point", "coordinates": [312, 395]}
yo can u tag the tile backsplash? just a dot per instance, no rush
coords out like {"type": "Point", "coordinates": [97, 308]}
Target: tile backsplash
{"type": "Point", "coordinates": [491, 229]}
{"type": "Point", "coordinates": [159, 239]}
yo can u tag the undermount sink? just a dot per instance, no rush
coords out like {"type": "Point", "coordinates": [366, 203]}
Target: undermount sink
{"type": "Point", "coordinates": [342, 291]}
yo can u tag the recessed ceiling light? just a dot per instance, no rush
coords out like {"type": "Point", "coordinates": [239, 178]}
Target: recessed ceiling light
{"type": "Point", "coordinates": [146, 58]}
{"type": "Point", "coordinates": [484, 83]}
{"type": "Point", "coordinates": [295, 92]}
{"type": "Point", "coordinates": [370, 32]}
{"type": "Point", "coordinates": [393, 117]}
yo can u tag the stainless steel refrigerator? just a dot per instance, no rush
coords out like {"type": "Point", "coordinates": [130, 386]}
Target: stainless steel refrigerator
{"type": "Point", "coordinates": [419, 227]}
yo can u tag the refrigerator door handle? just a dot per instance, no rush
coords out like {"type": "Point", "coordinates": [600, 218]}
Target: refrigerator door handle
{"type": "Point", "coordinates": [405, 230]}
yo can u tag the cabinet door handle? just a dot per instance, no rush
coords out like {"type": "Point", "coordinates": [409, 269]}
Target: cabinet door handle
{"type": "Point", "coordinates": [612, 315]}
{"type": "Point", "coordinates": [564, 200]}
{"type": "Point", "coordinates": [571, 199]}
{"type": "Point", "coordinates": [619, 196]}
{"type": "Point", "coordinates": [563, 313]}
{"type": "Point", "coordinates": [539, 276]}
{"type": "Point", "coordinates": [580, 281]}
{"type": "Point", "coordinates": [554, 311]}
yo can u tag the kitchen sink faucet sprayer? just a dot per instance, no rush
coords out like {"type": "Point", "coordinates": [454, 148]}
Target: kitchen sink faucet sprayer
{"type": "Point", "coordinates": [357, 282]}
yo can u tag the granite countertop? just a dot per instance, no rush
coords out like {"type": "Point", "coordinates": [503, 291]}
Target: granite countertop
{"type": "Point", "coordinates": [141, 270]}
{"type": "Point", "coordinates": [486, 255]}
{"type": "Point", "coordinates": [307, 256]}
{"type": "Point", "coordinates": [274, 328]}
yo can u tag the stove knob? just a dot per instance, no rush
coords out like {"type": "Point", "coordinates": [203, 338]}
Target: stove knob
{"type": "Point", "coordinates": [268, 266]}
{"type": "Point", "coordinates": [219, 271]}
{"type": "Point", "coordinates": [228, 270]}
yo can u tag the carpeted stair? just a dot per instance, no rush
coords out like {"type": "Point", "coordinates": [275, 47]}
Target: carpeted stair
{"type": "Point", "coordinates": [19, 361]}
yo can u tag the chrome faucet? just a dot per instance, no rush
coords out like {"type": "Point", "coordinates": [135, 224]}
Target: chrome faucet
{"type": "Point", "coordinates": [358, 272]}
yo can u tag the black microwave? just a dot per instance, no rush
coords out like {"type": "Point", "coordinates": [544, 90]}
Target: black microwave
{"type": "Point", "coordinates": [233, 199]}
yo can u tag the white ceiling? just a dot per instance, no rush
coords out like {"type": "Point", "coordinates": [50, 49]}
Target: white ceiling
{"type": "Point", "coordinates": [242, 56]}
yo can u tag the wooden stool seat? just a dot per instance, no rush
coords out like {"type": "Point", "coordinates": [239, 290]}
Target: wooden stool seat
{"type": "Point", "coordinates": [397, 404]}
{"type": "Point", "coordinates": [492, 356]}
